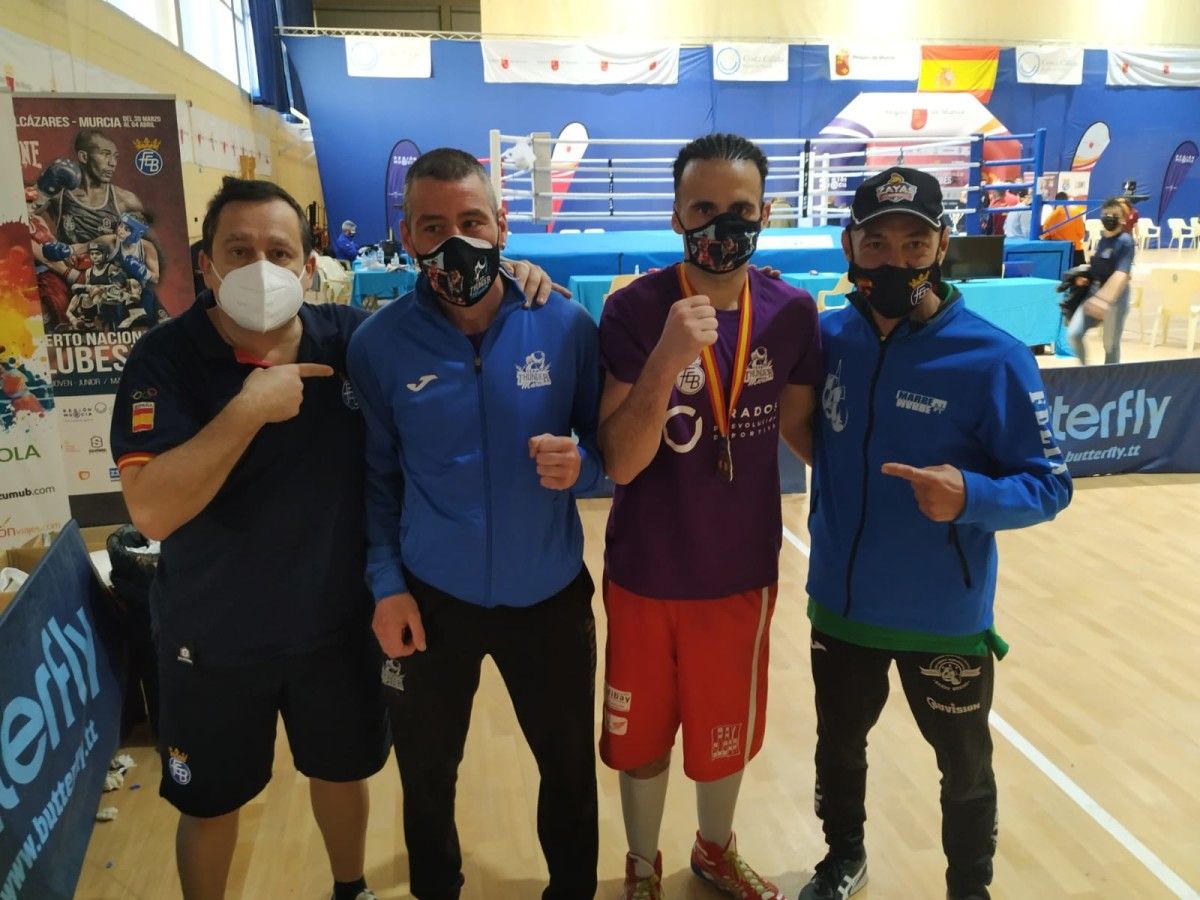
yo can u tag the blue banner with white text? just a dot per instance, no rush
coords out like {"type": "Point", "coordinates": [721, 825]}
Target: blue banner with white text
{"type": "Point", "coordinates": [60, 705]}
{"type": "Point", "coordinates": [1135, 417]}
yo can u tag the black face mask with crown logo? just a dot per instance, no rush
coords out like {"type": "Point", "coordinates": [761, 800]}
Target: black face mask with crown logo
{"type": "Point", "coordinates": [461, 270]}
{"type": "Point", "coordinates": [895, 291]}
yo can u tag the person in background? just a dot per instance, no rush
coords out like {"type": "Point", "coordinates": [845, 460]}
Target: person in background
{"type": "Point", "coordinates": [934, 434]}
{"type": "Point", "coordinates": [1057, 228]}
{"type": "Point", "coordinates": [345, 247]}
{"type": "Point", "coordinates": [1108, 302]}
{"type": "Point", "coordinates": [1016, 224]}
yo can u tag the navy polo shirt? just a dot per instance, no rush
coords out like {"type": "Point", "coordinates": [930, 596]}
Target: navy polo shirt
{"type": "Point", "coordinates": [274, 564]}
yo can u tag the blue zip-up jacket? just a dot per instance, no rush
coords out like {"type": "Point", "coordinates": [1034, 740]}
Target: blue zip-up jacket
{"type": "Point", "coordinates": [452, 493]}
{"type": "Point", "coordinates": [955, 390]}
{"type": "Point", "coordinates": [345, 247]}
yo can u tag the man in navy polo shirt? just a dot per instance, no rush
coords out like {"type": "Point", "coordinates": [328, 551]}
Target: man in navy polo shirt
{"type": "Point", "coordinates": [241, 448]}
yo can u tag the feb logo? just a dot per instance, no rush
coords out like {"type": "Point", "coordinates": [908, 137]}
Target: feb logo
{"type": "Point", "coordinates": [178, 767]}
{"type": "Point", "coordinates": [147, 159]}
{"type": "Point", "coordinates": [348, 396]}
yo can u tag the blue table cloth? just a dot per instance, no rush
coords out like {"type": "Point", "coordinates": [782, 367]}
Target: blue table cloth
{"type": "Point", "coordinates": [374, 287]}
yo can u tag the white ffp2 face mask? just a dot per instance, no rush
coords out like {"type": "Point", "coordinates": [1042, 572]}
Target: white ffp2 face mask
{"type": "Point", "coordinates": [261, 296]}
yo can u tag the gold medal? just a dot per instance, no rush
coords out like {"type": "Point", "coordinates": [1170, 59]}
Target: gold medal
{"type": "Point", "coordinates": [722, 412]}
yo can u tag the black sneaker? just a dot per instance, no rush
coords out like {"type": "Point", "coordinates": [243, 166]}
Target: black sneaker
{"type": "Point", "coordinates": [977, 894]}
{"type": "Point", "coordinates": [836, 878]}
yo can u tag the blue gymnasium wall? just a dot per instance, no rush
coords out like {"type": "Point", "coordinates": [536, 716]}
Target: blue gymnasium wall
{"type": "Point", "coordinates": [356, 121]}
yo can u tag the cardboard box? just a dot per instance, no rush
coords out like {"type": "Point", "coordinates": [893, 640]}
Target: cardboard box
{"type": "Point", "coordinates": [27, 558]}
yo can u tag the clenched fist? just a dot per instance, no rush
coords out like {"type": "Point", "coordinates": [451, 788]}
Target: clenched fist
{"type": "Point", "coordinates": [558, 460]}
{"type": "Point", "coordinates": [691, 326]}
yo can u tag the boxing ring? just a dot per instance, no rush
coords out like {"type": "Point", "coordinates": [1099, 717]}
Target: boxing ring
{"type": "Point", "coordinates": [603, 206]}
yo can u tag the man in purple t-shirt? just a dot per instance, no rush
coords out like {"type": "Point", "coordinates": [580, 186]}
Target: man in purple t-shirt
{"type": "Point", "coordinates": [707, 364]}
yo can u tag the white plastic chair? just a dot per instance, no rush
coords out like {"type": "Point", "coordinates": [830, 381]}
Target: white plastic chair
{"type": "Point", "coordinates": [1178, 291]}
{"type": "Point", "coordinates": [1146, 231]}
{"type": "Point", "coordinates": [1180, 232]}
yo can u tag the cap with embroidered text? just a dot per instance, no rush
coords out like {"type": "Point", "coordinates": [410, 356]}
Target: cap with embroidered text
{"type": "Point", "coordinates": [898, 190]}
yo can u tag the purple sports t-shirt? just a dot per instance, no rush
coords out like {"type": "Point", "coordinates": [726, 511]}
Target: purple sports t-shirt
{"type": "Point", "coordinates": [678, 530]}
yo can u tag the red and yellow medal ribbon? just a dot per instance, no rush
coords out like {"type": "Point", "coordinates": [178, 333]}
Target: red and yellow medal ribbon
{"type": "Point", "coordinates": [722, 412]}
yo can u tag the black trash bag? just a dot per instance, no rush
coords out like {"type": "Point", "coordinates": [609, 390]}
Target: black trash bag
{"type": "Point", "coordinates": [132, 575]}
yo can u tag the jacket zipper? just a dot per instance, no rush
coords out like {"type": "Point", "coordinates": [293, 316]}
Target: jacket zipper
{"type": "Point", "coordinates": [487, 479]}
{"type": "Point", "coordinates": [862, 521]}
{"type": "Point", "coordinates": [952, 538]}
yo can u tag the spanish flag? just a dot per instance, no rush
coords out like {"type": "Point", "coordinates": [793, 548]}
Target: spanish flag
{"type": "Point", "coordinates": [143, 417]}
{"type": "Point", "coordinates": [965, 69]}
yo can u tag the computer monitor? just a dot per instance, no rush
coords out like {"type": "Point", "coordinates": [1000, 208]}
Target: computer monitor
{"type": "Point", "coordinates": [973, 256]}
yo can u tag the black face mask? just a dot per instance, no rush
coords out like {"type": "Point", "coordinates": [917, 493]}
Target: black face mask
{"type": "Point", "coordinates": [895, 291]}
{"type": "Point", "coordinates": [461, 270]}
{"type": "Point", "coordinates": [723, 243]}
{"type": "Point", "coordinates": [1110, 223]}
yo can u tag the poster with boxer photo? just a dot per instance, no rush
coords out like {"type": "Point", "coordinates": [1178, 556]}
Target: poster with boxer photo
{"type": "Point", "coordinates": [33, 497]}
{"type": "Point", "coordinates": [108, 234]}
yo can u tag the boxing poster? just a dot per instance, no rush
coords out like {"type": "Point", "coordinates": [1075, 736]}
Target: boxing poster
{"type": "Point", "coordinates": [108, 235]}
{"type": "Point", "coordinates": [33, 495]}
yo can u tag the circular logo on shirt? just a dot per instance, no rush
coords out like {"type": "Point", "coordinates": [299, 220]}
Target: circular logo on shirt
{"type": "Point", "coordinates": [348, 396]}
{"type": "Point", "coordinates": [691, 380]}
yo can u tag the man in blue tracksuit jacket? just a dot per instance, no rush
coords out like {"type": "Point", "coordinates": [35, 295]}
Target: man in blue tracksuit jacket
{"type": "Point", "coordinates": [474, 542]}
{"type": "Point", "coordinates": [934, 435]}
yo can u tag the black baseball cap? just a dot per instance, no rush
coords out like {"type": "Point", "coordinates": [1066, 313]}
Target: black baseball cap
{"type": "Point", "coordinates": [898, 189]}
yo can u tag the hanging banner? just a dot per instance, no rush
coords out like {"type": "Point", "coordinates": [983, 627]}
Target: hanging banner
{"type": "Point", "coordinates": [388, 57]}
{"type": "Point", "coordinates": [109, 238]}
{"type": "Point", "coordinates": [555, 62]}
{"type": "Point", "coordinates": [1092, 143]}
{"type": "Point", "coordinates": [33, 494]}
{"type": "Point", "coordinates": [1135, 417]}
{"type": "Point", "coordinates": [750, 62]}
{"type": "Point", "coordinates": [1049, 64]}
{"type": "Point", "coordinates": [874, 62]}
{"type": "Point", "coordinates": [1162, 67]}
{"type": "Point", "coordinates": [60, 698]}
{"type": "Point", "coordinates": [400, 160]}
{"type": "Point", "coordinates": [966, 68]}
{"type": "Point", "coordinates": [1181, 163]}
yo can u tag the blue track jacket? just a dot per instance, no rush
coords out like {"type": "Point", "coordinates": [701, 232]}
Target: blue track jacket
{"type": "Point", "coordinates": [452, 493]}
{"type": "Point", "coordinates": [955, 390]}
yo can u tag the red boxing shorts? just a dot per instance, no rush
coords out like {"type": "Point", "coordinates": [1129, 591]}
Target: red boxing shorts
{"type": "Point", "coordinates": [701, 664]}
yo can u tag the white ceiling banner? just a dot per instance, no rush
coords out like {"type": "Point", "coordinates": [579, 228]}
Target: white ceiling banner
{"type": "Point", "coordinates": [750, 62]}
{"type": "Point", "coordinates": [1049, 64]}
{"type": "Point", "coordinates": [1154, 67]}
{"type": "Point", "coordinates": [874, 62]}
{"type": "Point", "coordinates": [560, 62]}
{"type": "Point", "coordinates": [388, 57]}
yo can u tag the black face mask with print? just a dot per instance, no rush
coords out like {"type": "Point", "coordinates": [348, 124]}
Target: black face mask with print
{"type": "Point", "coordinates": [722, 243]}
{"type": "Point", "coordinates": [461, 269]}
{"type": "Point", "coordinates": [895, 291]}
{"type": "Point", "coordinates": [1110, 222]}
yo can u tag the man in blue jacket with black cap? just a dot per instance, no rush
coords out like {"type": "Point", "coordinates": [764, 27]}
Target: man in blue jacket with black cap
{"type": "Point", "coordinates": [934, 436]}
{"type": "Point", "coordinates": [475, 548]}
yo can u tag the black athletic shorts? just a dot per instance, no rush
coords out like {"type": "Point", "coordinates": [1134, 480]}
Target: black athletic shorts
{"type": "Point", "coordinates": [216, 733]}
